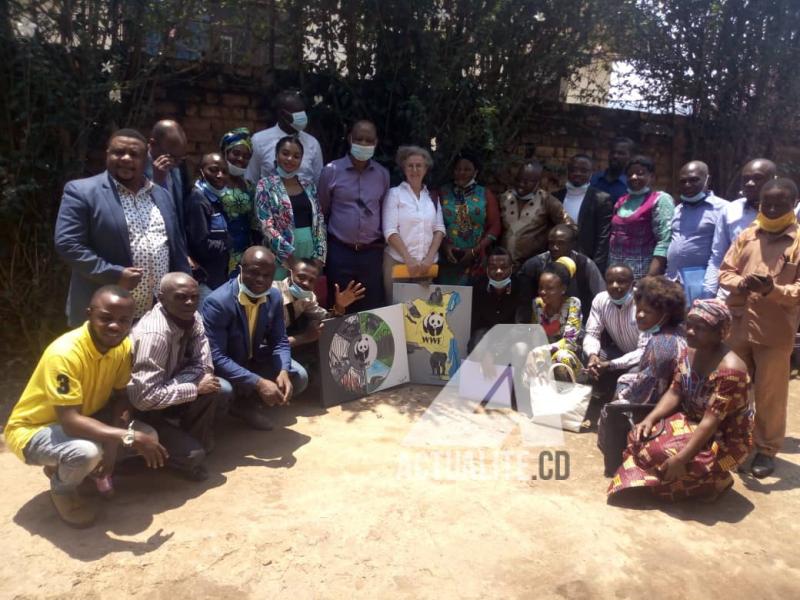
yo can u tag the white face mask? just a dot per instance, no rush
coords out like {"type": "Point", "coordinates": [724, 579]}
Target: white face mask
{"type": "Point", "coordinates": [577, 188]}
{"type": "Point", "coordinates": [235, 171]}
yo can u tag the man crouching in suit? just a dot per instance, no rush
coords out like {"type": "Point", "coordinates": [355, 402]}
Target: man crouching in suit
{"type": "Point", "coordinates": [245, 328]}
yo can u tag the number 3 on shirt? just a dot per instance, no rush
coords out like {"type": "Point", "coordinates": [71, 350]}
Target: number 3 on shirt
{"type": "Point", "coordinates": [63, 384]}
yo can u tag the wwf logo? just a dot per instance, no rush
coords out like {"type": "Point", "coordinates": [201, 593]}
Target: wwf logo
{"type": "Point", "coordinates": [433, 324]}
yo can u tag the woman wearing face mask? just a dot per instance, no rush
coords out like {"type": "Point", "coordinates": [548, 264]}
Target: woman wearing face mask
{"type": "Point", "coordinates": [472, 220]}
{"type": "Point", "coordinates": [641, 228]}
{"type": "Point", "coordinates": [412, 220]}
{"type": "Point", "coordinates": [289, 212]}
{"type": "Point", "coordinates": [707, 423]}
{"type": "Point", "coordinates": [660, 310]}
{"type": "Point", "coordinates": [238, 200]}
{"type": "Point", "coordinates": [559, 314]}
{"type": "Point", "coordinates": [207, 235]}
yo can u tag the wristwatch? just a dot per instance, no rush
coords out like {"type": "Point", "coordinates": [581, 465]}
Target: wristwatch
{"type": "Point", "coordinates": [127, 439]}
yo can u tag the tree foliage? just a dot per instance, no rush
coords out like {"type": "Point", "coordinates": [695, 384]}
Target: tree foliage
{"type": "Point", "coordinates": [731, 63]}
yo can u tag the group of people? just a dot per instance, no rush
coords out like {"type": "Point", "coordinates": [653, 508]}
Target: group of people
{"type": "Point", "coordinates": [192, 298]}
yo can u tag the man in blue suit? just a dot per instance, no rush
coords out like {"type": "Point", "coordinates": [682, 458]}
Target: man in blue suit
{"type": "Point", "coordinates": [166, 153]}
{"type": "Point", "coordinates": [118, 228]}
{"type": "Point", "coordinates": [244, 324]}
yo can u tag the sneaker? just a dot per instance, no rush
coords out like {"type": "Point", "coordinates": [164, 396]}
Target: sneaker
{"type": "Point", "coordinates": [252, 413]}
{"type": "Point", "coordinates": [74, 510]}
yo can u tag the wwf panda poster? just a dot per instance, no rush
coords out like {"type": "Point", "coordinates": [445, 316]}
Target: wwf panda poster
{"type": "Point", "coordinates": [437, 323]}
{"type": "Point", "coordinates": [365, 352]}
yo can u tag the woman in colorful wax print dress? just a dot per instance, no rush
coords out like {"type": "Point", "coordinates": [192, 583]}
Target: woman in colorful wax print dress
{"type": "Point", "coordinates": [701, 429]}
{"type": "Point", "coordinates": [289, 212]}
{"type": "Point", "coordinates": [559, 315]}
{"type": "Point", "coordinates": [472, 220]}
{"type": "Point", "coordinates": [641, 227]}
{"type": "Point", "coordinates": [660, 311]}
{"type": "Point", "coordinates": [238, 200]}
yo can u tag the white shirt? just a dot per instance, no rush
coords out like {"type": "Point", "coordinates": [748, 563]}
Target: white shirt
{"type": "Point", "coordinates": [620, 323]}
{"type": "Point", "coordinates": [414, 219]}
{"type": "Point", "coordinates": [147, 234]}
{"type": "Point", "coordinates": [573, 200]}
{"type": "Point", "coordinates": [262, 163]}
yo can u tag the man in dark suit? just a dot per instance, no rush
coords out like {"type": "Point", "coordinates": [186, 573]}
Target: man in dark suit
{"type": "Point", "coordinates": [245, 328]}
{"type": "Point", "coordinates": [590, 208]}
{"type": "Point", "coordinates": [166, 167]}
{"type": "Point", "coordinates": [118, 228]}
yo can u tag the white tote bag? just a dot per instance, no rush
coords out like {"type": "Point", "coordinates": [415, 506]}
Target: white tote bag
{"type": "Point", "coordinates": [558, 402]}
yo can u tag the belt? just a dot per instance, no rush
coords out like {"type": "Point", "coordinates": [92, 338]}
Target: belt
{"type": "Point", "coordinates": [358, 247]}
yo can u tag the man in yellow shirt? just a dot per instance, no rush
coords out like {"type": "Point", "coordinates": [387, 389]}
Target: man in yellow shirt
{"type": "Point", "coordinates": [56, 422]}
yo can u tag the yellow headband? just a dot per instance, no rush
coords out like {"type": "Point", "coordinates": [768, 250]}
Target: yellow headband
{"type": "Point", "coordinates": [569, 264]}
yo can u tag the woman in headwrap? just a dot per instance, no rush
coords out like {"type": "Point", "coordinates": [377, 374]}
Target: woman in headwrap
{"type": "Point", "coordinates": [472, 220]}
{"type": "Point", "coordinates": [701, 429]}
{"type": "Point", "coordinates": [559, 314]}
{"type": "Point", "coordinates": [238, 200]}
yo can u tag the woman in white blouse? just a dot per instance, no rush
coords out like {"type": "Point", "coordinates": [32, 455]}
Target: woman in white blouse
{"type": "Point", "coordinates": [412, 219]}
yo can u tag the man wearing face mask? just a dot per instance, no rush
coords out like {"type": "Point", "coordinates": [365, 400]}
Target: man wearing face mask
{"type": "Point", "coordinates": [735, 217]}
{"type": "Point", "coordinates": [292, 119]}
{"type": "Point", "coordinates": [351, 192]}
{"type": "Point", "coordinates": [206, 228]}
{"type": "Point", "coordinates": [301, 311]}
{"type": "Point", "coordinates": [528, 213]}
{"type": "Point", "coordinates": [590, 207]}
{"type": "Point", "coordinates": [693, 224]}
{"type": "Point", "coordinates": [244, 323]}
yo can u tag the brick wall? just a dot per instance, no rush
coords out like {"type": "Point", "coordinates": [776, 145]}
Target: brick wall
{"type": "Point", "coordinates": [208, 106]}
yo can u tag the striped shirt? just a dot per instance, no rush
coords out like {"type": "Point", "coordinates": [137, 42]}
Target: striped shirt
{"type": "Point", "coordinates": [620, 324]}
{"type": "Point", "coordinates": [168, 361]}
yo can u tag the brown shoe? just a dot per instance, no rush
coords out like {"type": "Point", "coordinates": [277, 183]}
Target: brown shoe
{"type": "Point", "coordinates": [74, 511]}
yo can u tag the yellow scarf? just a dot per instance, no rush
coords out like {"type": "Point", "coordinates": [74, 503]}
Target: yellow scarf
{"type": "Point", "coordinates": [775, 225]}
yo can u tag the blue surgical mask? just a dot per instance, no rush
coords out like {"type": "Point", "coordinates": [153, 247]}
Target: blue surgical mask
{"type": "Point", "coordinates": [284, 174]}
{"type": "Point", "coordinates": [235, 171]}
{"type": "Point", "coordinates": [360, 152]}
{"type": "Point", "coordinates": [298, 292]}
{"type": "Point", "coordinates": [577, 188]}
{"type": "Point", "coordinates": [211, 192]}
{"type": "Point", "coordinates": [500, 284]}
{"type": "Point", "coordinates": [655, 328]}
{"type": "Point", "coordinates": [623, 300]}
{"type": "Point", "coordinates": [249, 292]}
{"type": "Point", "coordinates": [299, 120]}
{"type": "Point", "coordinates": [694, 199]}
{"type": "Point", "coordinates": [644, 190]}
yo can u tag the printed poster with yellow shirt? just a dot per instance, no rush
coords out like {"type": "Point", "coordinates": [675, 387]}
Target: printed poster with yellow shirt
{"type": "Point", "coordinates": [437, 325]}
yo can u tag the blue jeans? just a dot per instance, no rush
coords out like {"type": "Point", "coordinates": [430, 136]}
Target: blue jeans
{"type": "Point", "coordinates": [73, 458]}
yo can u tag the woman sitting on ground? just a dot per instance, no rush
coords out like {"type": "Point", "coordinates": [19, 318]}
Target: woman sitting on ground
{"type": "Point", "coordinates": [559, 314]}
{"type": "Point", "coordinates": [707, 424]}
{"type": "Point", "coordinates": [660, 310]}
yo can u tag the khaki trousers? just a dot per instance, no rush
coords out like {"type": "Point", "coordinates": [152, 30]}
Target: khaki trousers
{"type": "Point", "coordinates": [769, 368]}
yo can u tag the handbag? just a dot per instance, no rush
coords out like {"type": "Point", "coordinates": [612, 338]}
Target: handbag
{"type": "Point", "coordinates": [569, 400]}
{"type": "Point", "coordinates": [616, 422]}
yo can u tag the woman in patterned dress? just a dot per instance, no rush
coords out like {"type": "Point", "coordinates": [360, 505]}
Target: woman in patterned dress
{"type": "Point", "coordinates": [559, 315]}
{"type": "Point", "coordinates": [701, 429]}
{"type": "Point", "coordinates": [472, 220]}
{"type": "Point", "coordinates": [289, 212]}
{"type": "Point", "coordinates": [238, 199]}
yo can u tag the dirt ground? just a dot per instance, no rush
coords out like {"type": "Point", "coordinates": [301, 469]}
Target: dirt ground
{"type": "Point", "coordinates": [326, 507]}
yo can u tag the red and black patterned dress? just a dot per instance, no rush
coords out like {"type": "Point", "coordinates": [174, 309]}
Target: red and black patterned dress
{"type": "Point", "coordinates": [724, 393]}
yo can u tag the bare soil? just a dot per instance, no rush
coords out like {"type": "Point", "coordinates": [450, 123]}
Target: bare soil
{"type": "Point", "coordinates": [323, 508]}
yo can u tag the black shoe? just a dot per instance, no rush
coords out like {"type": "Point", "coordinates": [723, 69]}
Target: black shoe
{"type": "Point", "coordinates": [254, 414]}
{"type": "Point", "coordinates": [196, 473]}
{"type": "Point", "coordinates": [762, 466]}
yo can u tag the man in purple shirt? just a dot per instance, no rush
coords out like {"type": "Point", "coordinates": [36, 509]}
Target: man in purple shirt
{"type": "Point", "coordinates": [351, 191]}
